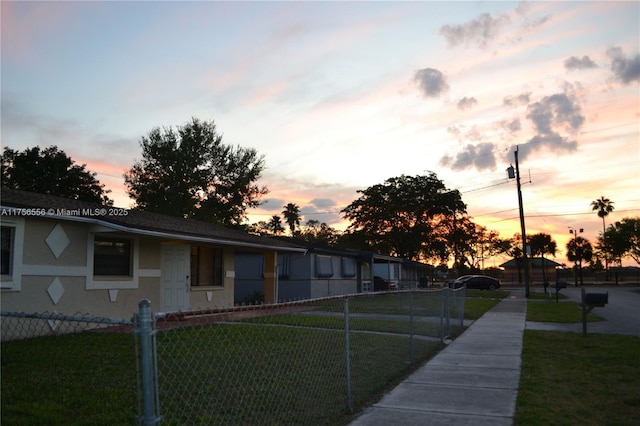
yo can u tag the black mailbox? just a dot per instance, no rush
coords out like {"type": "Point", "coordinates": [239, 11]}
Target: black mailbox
{"type": "Point", "coordinates": [560, 284]}
{"type": "Point", "coordinates": [596, 299]}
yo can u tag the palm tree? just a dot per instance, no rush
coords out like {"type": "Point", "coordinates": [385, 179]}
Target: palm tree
{"type": "Point", "coordinates": [291, 215]}
{"type": "Point", "coordinates": [578, 250]}
{"type": "Point", "coordinates": [603, 206]}
{"type": "Point", "coordinates": [275, 225]}
{"type": "Point", "coordinates": [542, 244]}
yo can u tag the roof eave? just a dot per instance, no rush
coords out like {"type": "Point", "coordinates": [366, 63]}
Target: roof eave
{"type": "Point", "coordinates": [173, 236]}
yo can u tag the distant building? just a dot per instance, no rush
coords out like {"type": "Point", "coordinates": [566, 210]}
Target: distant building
{"type": "Point", "coordinates": [541, 269]}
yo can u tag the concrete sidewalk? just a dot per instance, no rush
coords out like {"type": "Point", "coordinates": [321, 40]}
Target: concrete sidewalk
{"type": "Point", "coordinates": [473, 381]}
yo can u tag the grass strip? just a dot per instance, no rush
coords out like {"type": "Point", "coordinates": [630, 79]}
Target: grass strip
{"type": "Point", "coordinates": [565, 312]}
{"type": "Point", "coordinates": [568, 379]}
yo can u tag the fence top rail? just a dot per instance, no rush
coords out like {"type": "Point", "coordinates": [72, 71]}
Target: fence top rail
{"type": "Point", "coordinates": [178, 315]}
{"type": "Point", "coordinates": [61, 317]}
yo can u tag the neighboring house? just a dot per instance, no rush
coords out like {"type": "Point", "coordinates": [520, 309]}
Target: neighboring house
{"type": "Point", "coordinates": [322, 272]}
{"type": "Point", "coordinates": [74, 257]}
{"type": "Point", "coordinates": [541, 270]}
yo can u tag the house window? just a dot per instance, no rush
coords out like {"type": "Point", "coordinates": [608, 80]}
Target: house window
{"type": "Point", "coordinates": [348, 267]}
{"type": "Point", "coordinates": [6, 242]}
{"type": "Point", "coordinates": [324, 266]}
{"type": "Point", "coordinates": [206, 267]}
{"type": "Point", "coordinates": [283, 266]}
{"type": "Point", "coordinates": [112, 257]}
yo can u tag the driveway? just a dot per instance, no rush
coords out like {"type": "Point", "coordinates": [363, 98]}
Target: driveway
{"type": "Point", "coordinates": [622, 313]}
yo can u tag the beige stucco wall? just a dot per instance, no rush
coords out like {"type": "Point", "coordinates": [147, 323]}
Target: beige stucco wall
{"type": "Point", "coordinates": [75, 300]}
{"type": "Point", "coordinates": [63, 284]}
{"type": "Point", "coordinates": [150, 250]}
{"type": "Point", "coordinates": [37, 252]}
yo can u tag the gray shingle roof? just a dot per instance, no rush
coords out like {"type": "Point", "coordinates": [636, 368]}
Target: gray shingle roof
{"type": "Point", "coordinates": [140, 221]}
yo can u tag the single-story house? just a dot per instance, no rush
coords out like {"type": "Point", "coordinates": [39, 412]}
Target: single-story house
{"type": "Point", "coordinates": [324, 271]}
{"type": "Point", "coordinates": [321, 272]}
{"type": "Point", "coordinates": [542, 270]}
{"type": "Point", "coordinates": [68, 256]}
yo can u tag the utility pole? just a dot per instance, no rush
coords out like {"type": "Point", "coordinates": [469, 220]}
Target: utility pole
{"type": "Point", "coordinates": [522, 227]}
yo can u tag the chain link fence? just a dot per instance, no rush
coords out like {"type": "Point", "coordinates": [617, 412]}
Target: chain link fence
{"type": "Point", "coordinates": [20, 325]}
{"type": "Point", "coordinates": [309, 362]}
{"type": "Point", "coordinates": [67, 370]}
{"type": "Point", "coordinates": [306, 363]}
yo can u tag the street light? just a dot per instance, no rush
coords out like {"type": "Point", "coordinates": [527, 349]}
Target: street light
{"type": "Point", "coordinates": [574, 232]}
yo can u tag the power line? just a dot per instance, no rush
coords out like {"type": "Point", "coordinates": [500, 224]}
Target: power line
{"type": "Point", "coordinates": [560, 215]}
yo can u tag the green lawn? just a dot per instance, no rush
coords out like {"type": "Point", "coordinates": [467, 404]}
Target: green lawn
{"type": "Point", "coordinates": [569, 379]}
{"type": "Point", "coordinates": [563, 312]}
{"type": "Point", "coordinates": [81, 379]}
{"type": "Point", "coordinates": [265, 374]}
{"type": "Point", "coordinates": [477, 302]}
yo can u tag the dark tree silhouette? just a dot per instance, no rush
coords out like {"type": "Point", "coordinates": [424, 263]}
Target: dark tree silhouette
{"type": "Point", "coordinates": [578, 250]}
{"type": "Point", "coordinates": [189, 172]}
{"type": "Point", "coordinates": [51, 171]}
{"type": "Point", "coordinates": [291, 215]}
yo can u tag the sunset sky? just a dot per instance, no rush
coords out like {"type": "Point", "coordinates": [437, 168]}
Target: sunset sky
{"type": "Point", "coordinates": [340, 96]}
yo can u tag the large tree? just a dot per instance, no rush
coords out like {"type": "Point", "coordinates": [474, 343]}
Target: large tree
{"type": "Point", "coordinates": [402, 215]}
{"type": "Point", "coordinates": [190, 172]}
{"type": "Point", "coordinates": [51, 171]}
{"type": "Point", "coordinates": [622, 239]}
{"type": "Point", "coordinates": [479, 244]}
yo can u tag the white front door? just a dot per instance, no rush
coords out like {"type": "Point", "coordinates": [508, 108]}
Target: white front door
{"type": "Point", "coordinates": [176, 266]}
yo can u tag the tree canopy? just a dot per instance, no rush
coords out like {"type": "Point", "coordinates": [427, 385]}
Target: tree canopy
{"type": "Point", "coordinates": [622, 239]}
{"type": "Point", "coordinates": [542, 244]}
{"type": "Point", "coordinates": [51, 171]}
{"type": "Point", "coordinates": [190, 172]}
{"type": "Point", "coordinates": [319, 233]}
{"type": "Point", "coordinates": [404, 216]}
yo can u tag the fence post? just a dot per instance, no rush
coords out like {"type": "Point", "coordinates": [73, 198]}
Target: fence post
{"type": "Point", "coordinates": [145, 331]}
{"type": "Point", "coordinates": [448, 311]}
{"type": "Point", "coordinates": [411, 328]}
{"type": "Point", "coordinates": [347, 354]}
{"type": "Point", "coordinates": [442, 314]}
{"type": "Point", "coordinates": [463, 295]}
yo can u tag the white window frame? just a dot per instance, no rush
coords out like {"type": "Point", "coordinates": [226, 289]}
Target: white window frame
{"type": "Point", "coordinates": [349, 267]}
{"type": "Point", "coordinates": [324, 266]}
{"type": "Point", "coordinates": [13, 281]}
